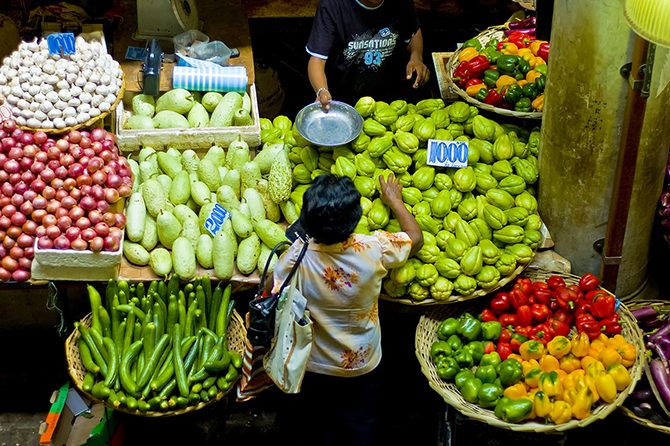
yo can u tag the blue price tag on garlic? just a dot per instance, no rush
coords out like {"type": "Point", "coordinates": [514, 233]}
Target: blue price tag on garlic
{"type": "Point", "coordinates": [61, 43]}
{"type": "Point", "coordinates": [216, 218]}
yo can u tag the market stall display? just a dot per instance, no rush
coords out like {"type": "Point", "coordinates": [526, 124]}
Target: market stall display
{"type": "Point", "coordinates": [57, 92]}
{"type": "Point", "coordinates": [558, 375]}
{"type": "Point", "coordinates": [649, 404]}
{"type": "Point", "coordinates": [59, 195]}
{"type": "Point", "coordinates": [124, 352]}
{"type": "Point", "coordinates": [502, 70]}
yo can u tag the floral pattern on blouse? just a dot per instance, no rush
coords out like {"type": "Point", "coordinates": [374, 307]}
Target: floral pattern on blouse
{"type": "Point", "coordinates": [338, 278]}
{"type": "Point", "coordinates": [355, 358]}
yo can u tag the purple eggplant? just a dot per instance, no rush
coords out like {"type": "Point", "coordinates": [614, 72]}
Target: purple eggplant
{"type": "Point", "coordinates": [663, 332]}
{"type": "Point", "coordinates": [643, 395]}
{"type": "Point", "coordinates": [529, 31]}
{"type": "Point", "coordinates": [661, 377]}
{"type": "Point", "coordinates": [651, 324]}
{"type": "Point", "coordinates": [528, 22]}
{"type": "Point", "coordinates": [645, 313]}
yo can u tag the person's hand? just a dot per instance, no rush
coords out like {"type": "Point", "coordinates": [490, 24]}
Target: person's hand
{"type": "Point", "coordinates": [390, 190]}
{"type": "Point", "coordinates": [418, 68]}
{"type": "Point", "coordinates": [323, 96]}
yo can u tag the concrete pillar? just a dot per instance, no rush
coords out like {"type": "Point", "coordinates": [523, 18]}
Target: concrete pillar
{"type": "Point", "coordinates": [581, 130]}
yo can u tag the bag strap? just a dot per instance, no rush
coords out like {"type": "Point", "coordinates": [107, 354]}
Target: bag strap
{"type": "Point", "coordinates": [277, 247]}
{"type": "Point", "coordinates": [295, 267]}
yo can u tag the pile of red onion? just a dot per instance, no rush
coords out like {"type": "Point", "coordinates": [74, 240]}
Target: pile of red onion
{"type": "Point", "coordinates": [58, 191]}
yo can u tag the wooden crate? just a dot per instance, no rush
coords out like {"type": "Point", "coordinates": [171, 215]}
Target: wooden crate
{"type": "Point", "coordinates": [198, 138]}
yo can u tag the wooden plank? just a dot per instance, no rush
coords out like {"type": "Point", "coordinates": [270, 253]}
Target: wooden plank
{"type": "Point", "coordinates": [439, 61]}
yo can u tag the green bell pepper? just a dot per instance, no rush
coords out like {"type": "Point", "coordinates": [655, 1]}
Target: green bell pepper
{"type": "Point", "coordinates": [512, 93]}
{"type": "Point", "coordinates": [439, 349]}
{"type": "Point", "coordinates": [507, 64]}
{"type": "Point", "coordinates": [455, 343]}
{"type": "Point", "coordinates": [472, 43]}
{"type": "Point", "coordinates": [523, 65]}
{"type": "Point", "coordinates": [491, 53]}
{"type": "Point", "coordinates": [448, 368]}
{"type": "Point", "coordinates": [513, 411]}
{"type": "Point", "coordinates": [540, 83]}
{"type": "Point", "coordinates": [470, 390]}
{"type": "Point", "coordinates": [490, 77]}
{"type": "Point", "coordinates": [510, 372]}
{"type": "Point", "coordinates": [447, 328]}
{"type": "Point", "coordinates": [489, 394]}
{"type": "Point", "coordinates": [492, 43]}
{"type": "Point", "coordinates": [523, 104]}
{"type": "Point", "coordinates": [529, 90]}
{"type": "Point", "coordinates": [491, 330]}
{"type": "Point", "coordinates": [464, 358]}
{"type": "Point", "coordinates": [481, 94]}
{"type": "Point", "coordinates": [542, 68]}
{"type": "Point", "coordinates": [518, 75]}
{"type": "Point", "coordinates": [470, 328]}
{"type": "Point", "coordinates": [462, 377]}
{"type": "Point", "coordinates": [492, 358]}
{"type": "Point", "coordinates": [476, 349]}
{"type": "Point", "coordinates": [486, 373]}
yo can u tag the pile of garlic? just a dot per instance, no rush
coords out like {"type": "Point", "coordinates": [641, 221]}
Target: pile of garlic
{"type": "Point", "coordinates": [50, 91]}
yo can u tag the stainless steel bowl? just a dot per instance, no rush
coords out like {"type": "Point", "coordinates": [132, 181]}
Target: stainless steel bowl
{"type": "Point", "coordinates": [339, 125]}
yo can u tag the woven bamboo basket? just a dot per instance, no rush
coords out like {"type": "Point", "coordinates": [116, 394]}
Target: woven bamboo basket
{"type": "Point", "coordinates": [86, 124]}
{"type": "Point", "coordinates": [495, 32]}
{"type": "Point", "coordinates": [663, 308]}
{"type": "Point", "coordinates": [455, 298]}
{"type": "Point", "coordinates": [236, 336]}
{"type": "Point", "coordinates": [426, 334]}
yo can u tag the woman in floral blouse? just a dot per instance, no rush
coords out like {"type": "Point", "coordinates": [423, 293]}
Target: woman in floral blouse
{"type": "Point", "coordinates": [341, 277]}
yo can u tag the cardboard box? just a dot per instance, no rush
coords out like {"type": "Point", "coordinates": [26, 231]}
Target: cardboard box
{"type": "Point", "coordinates": [73, 420]}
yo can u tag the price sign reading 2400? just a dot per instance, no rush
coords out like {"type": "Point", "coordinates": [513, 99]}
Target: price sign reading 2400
{"type": "Point", "coordinates": [447, 153]}
{"type": "Point", "coordinates": [215, 219]}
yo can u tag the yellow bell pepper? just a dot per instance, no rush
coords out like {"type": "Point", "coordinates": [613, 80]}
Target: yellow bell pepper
{"type": "Point", "coordinates": [609, 356]}
{"type": "Point", "coordinates": [569, 382]}
{"type": "Point", "coordinates": [541, 404]}
{"type": "Point", "coordinates": [516, 391]}
{"type": "Point", "coordinates": [569, 363]}
{"type": "Point", "coordinates": [561, 412]}
{"type": "Point", "coordinates": [538, 103]}
{"type": "Point", "coordinates": [581, 399]}
{"type": "Point", "coordinates": [616, 341]}
{"type": "Point", "coordinates": [531, 350]}
{"type": "Point", "coordinates": [602, 337]}
{"type": "Point", "coordinates": [550, 383]}
{"type": "Point", "coordinates": [559, 346]}
{"type": "Point", "coordinates": [628, 354]}
{"type": "Point", "coordinates": [467, 54]}
{"type": "Point", "coordinates": [532, 378]}
{"type": "Point", "coordinates": [505, 80]}
{"type": "Point", "coordinates": [561, 374]}
{"type": "Point", "coordinates": [527, 56]}
{"type": "Point", "coordinates": [549, 363]}
{"type": "Point", "coordinates": [516, 356]}
{"type": "Point", "coordinates": [539, 61]}
{"type": "Point", "coordinates": [595, 368]}
{"type": "Point", "coordinates": [532, 75]}
{"type": "Point", "coordinates": [473, 89]}
{"type": "Point", "coordinates": [606, 387]}
{"type": "Point", "coordinates": [534, 46]}
{"type": "Point", "coordinates": [509, 48]}
{"type": "Point", "coordinates": [522, 82]}
{"type": "Point", "coordinates": [621, 376]}
{"type": "Point", "coordinates": [529, 365]}
{"type": "Point", "coordinates": [580, 345]}
{"type": "Point", "coordinates": [586, 361]}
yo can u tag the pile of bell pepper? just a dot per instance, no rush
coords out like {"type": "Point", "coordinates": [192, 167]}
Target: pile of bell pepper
{"type": "Point", "coordinates": [509, 73]}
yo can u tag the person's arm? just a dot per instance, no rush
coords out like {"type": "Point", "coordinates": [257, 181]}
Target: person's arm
{"type": "Point", "coordinates": [316, 71]}
{"type": "Point", "coordinates": [415, 64]}
{"type": "Point", "coordinates": [391, 196]}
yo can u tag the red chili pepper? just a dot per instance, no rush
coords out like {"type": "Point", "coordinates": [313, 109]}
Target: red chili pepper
{"type": "Point", "coordinates": [523, 315]}
{"type": "Point", "coordinates": [540, 312]}
{"type": "Point", "coordinates": [555, 282]}
{"type": "Point", "coordinates": [559, 327]}
{"type": "Point", "coordinates": [564, 316]}
{"type": "Point", "coordinates": [487, 315]}
{"type": "Point", "coordinates": [489, 347]}
{"type": "Point", "coordinates": [493, 98]}
{"type": "Point", "coordinates": [505, 335]}
{"type": "Point", "coordinates": [610, 326]}
{"type": "Point", "coordinates": [518, 297]}
{"type": "Point", "coordinates": [589, 282]}
{"type": "Point", "coordinates": [602, 303]}
{"type": "Point", "coordinates": [504, 350]}
{"type": "Point", "coordinates": [500, 303]}
{"type": "Point", "coordinates": [543, 51]}
{"type": "Point", "coordinates": [506, 319]}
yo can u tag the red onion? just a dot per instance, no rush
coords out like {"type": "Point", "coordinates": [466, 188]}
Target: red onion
{"type": "Point", "coordinates": [74, 136]}
{"type": "Point", "coordinates": [62, 145]}
{"type": "Point", "coordinates": [84, 180]}
{"type": "Point", "coordinates": [66, 159]}
{"type": "Point", "coordinates": [53, 153]}
{"type": "Point", "coordinates": [83, 223]}
{"type": "Point", "coordinates": [24, 240]}
{"type": "Point", "coordinates": [17, 200]}
{"type": "Point", "coordinates": [38, 185]}
{"type": "Point", "coordinates": [120, 220]}
{"type": "Point", "coordinates": [98, 177]}
{"type": "Point", "coordinates": [27, 177]}
{"type": "Point", "coordinates": [9, 210]}
{"type": "Point", "coordinates": [97, 192]}
{"type": "Point", "coordinates": [4, 201]}
{"type": "Point", "coordinates": [87, 203]}
{"type": "Point", "coordinates": [26, 138]}
{"type": "Point", "coordinates": [15, 153]}
{"type": "Point", "coordinates": [4, 176]}
{"type": "Point", "coordinates": [30, 151]}
{"type": "Point", "coordinates": [76, 213]}
{"type": "Point", "coordinates": [52, 206]}
{"type": "Point", "coordinates": [21, 187]}
{"type": "Point", "coordinates": [16, 252]}
{"type": "Point", "coordinates": [5, 222]}
{"type": "Point", "coordinates": [29, 252]}
{"type": "Point", "coordinates": [49, 220]}
{"type": "Point", "coordinates": [26, 208]}
{"type": "Point", "coordinates": [12, 166]}
{"type": "Point", "coordinates": [7, 189]}
{"type": "Point", "coordinates": [61, 243]}
{"type": "Point", "coordinates": [9, 126]}
{"type": "Point", "coordinates": [16, 133]}
{"type": "Point", "coordinates": [107, 155]}
{"type": "Point", "coordinates": [7, 143]}
{"type": "Point", "coordinates": [109, 218]}
{"type": "Point", "coordinates": [97, 147]}
{"type": "Point", "coordinates": [76, 194]}
{"type": "Point", "coordinates": [40, 137]}
{"type": "Point", "coordinates": [41, 157]}
{"type": "Point", "coordinates": [8, 242]}
{"type": "Point", "coordinates": [114, 181]}
{"type": "Point", "coordinates": [75, 170]}
{"type": "Point", "coordinates": [29, 195]}
{"type": "Point", "coordinates": [29, 227]}
{"type": "Point", "coordinates": [61, 172]}
{"type": "Point", "coordinates": [38, 215]}
{"type": "Point", "coordinates": [61, 212]}
{"type": "Point", "coordinates": [25, 163]}
{"type": "Point", "coordinates": [79, 245]}
{"type": "Point", "coordinates": [95, 216]}
{"type": "Point", "coordinates": [3, 251]}
{"type": "Point", "coordinates": [53, 232]}
{"type": "Point", "coordinates": [88, 234]}
{"type": "Point", "coordinates": [98, 134]}
{"type": "Point", "coordinates": [116, 232]}
{"type": "Point", "coordinates": [84, 160]}
{"type": "Point", "coordinates": [64, 222]}
{"type": "Point", "coordinates": [45, 242]}
{"type": "Point", "coordinates": [47, 175]}
{"type": "Point", "coordinates": [85, 189]}
{"type": "Point", "coordinates": [69, 202]}
{"type": "Point", "coordinates": [9, 264]}
{"type": "Point", "coordinates": [72, 233]}
{"type": "Point", "coordinates": [112, 243]}
{"type": "Point", "coordinates": [15, 178]}
{"type": "Point", "coordinates": [76, 151]}
{"type": "Point", "coordinates": [24, 267]}
{"type": "Point", "coordinates": [125, 190]}
{"type": "Point", "coordinates": [85, 142]}
{"type": "Point", "coordinates": [97, 244]}
{"type": "Point", "coordinates": [5, 275]}
{"type": "Point", "coordinates": [14, 232]}
{"type": "Point", "coordinates": [102, 205]}
{"type": "Point", "coordinates": [18, 219]}
{"type": "Point", "coordinates": [102, 229]}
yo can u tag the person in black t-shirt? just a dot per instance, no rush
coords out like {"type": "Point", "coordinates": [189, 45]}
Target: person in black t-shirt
{"type": "Point", "coordinates": [363, 45]}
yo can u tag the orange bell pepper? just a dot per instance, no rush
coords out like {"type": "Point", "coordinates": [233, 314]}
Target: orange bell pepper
{"type": "Point", "coordinates": [621, 376]}
{"type": "Point", "coordinates": [549, 363]}
{"type": "Point", "coordinates": [538, 103]}
{"type": "Point", "coordinates": [541, 404]}
{"type": "Point", "coordinates": [569, 363]}
{"type": "Point", "coordinates": [559, 346]}
{"type": "Point", "coordinates": [516, 391]}
{"type": "Point", "coordinates": [504, 81]}
{"type": "Point", "coordinates": [467, 54]}
{"type": "Point", "coordinates": [561, 412]}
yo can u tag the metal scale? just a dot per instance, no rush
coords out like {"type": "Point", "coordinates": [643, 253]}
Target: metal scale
{"type": "Point", "coordinates": [165, 18]}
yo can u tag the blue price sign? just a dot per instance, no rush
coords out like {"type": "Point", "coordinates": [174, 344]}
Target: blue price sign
{"type": "Point", "coordinates": [61, 43]}
{"type": "Point", "coordinates": [447, 153]}
{"type": "Point", "coordinates": [215, 219]}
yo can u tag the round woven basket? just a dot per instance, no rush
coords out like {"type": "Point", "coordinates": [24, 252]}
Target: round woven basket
{"type": "Point", "coordinates": [86, 124]}
{"type": "Point", "coordinates": [426, 334]}
{"type": "Point", "coordinates": [663, 308]}
{"type": "Point", "coordinates": [495, 32]}
{"type": "Point", "coordinates": [454, 298]}
{"type": "Point", "coordinates": [236, 336]}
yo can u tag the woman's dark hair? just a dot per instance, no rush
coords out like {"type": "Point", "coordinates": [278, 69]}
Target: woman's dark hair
{"type": "Point", "coordinates": [331, 209]}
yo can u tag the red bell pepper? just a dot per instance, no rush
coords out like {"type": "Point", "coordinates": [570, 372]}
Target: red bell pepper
{"type": "Point", "coordinates": [540, 333]}
{"type": "Point", "coordinates": [477, 65]}
{"type": "Point", "coordinates": [543, 51]}
{"type": "Point", "coordinates": [504, 350]}
{"type": "Point", "coordinates": [524, 316]}
{"type": "Point", "coordinates": [565, 298]}
{"type": "Point", "coordinates": [506, 319]}
{"type": "Point", "coordinates": [555, 282]}
{"type": "Point", "coordinates": [487, 315]}
{"type": "Point", "coordinates": [517, 340]}
{"type": "Point", "coordinates": [525, 330]}
{"type": "Point", "coordinates": [493, 98]}
{"type": "Point", "coordinates": [584, 307]}
{"type": "Point", "coordinates": [473, 81]}
{"type": "Point", "coordinates": [524, 284]}
{"type": "Point", "coordinates": [518, 297]}
{"type": "Point", "coordinates": [610, 325]}
{"type": "Point", "coordinates": [505, 335]}
{"type": "Point", "coordinates": [564, 316]}
{"type": "Point", "coordinates": [540, 312]}
{"type": "Point", "coordinates": [587, 324]}
{"type": "Point", "coordinates": [541, 293]}
{"type": "Point", "coordinates": [520, 39]}
{"type": "Point", "coordinates": [577, 292]}
{"type": "Point", "coordinates": [462, 74]}
{"type": "Point", "coordinates": [589, 282]}
{"type": "Point", "coordinates": [559, 327]}
{"type": "Point", "coordinates": [602, 303]}
{"type": "Point", "coordinates": [500, 303]}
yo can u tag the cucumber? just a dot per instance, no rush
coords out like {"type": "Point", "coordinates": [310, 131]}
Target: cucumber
{"type": "Point", "coordinates": [100, 391]}
{"type": "Point", "coordinates": [180, 188]}
{"type": "Point", "coordinates": [160, 262]}
{"type": "Point", "coordinates": [203, 251]}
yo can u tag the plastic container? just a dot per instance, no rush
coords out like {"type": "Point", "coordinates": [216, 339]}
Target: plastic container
{"type": "Point", "coordinates": [183, 42]}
